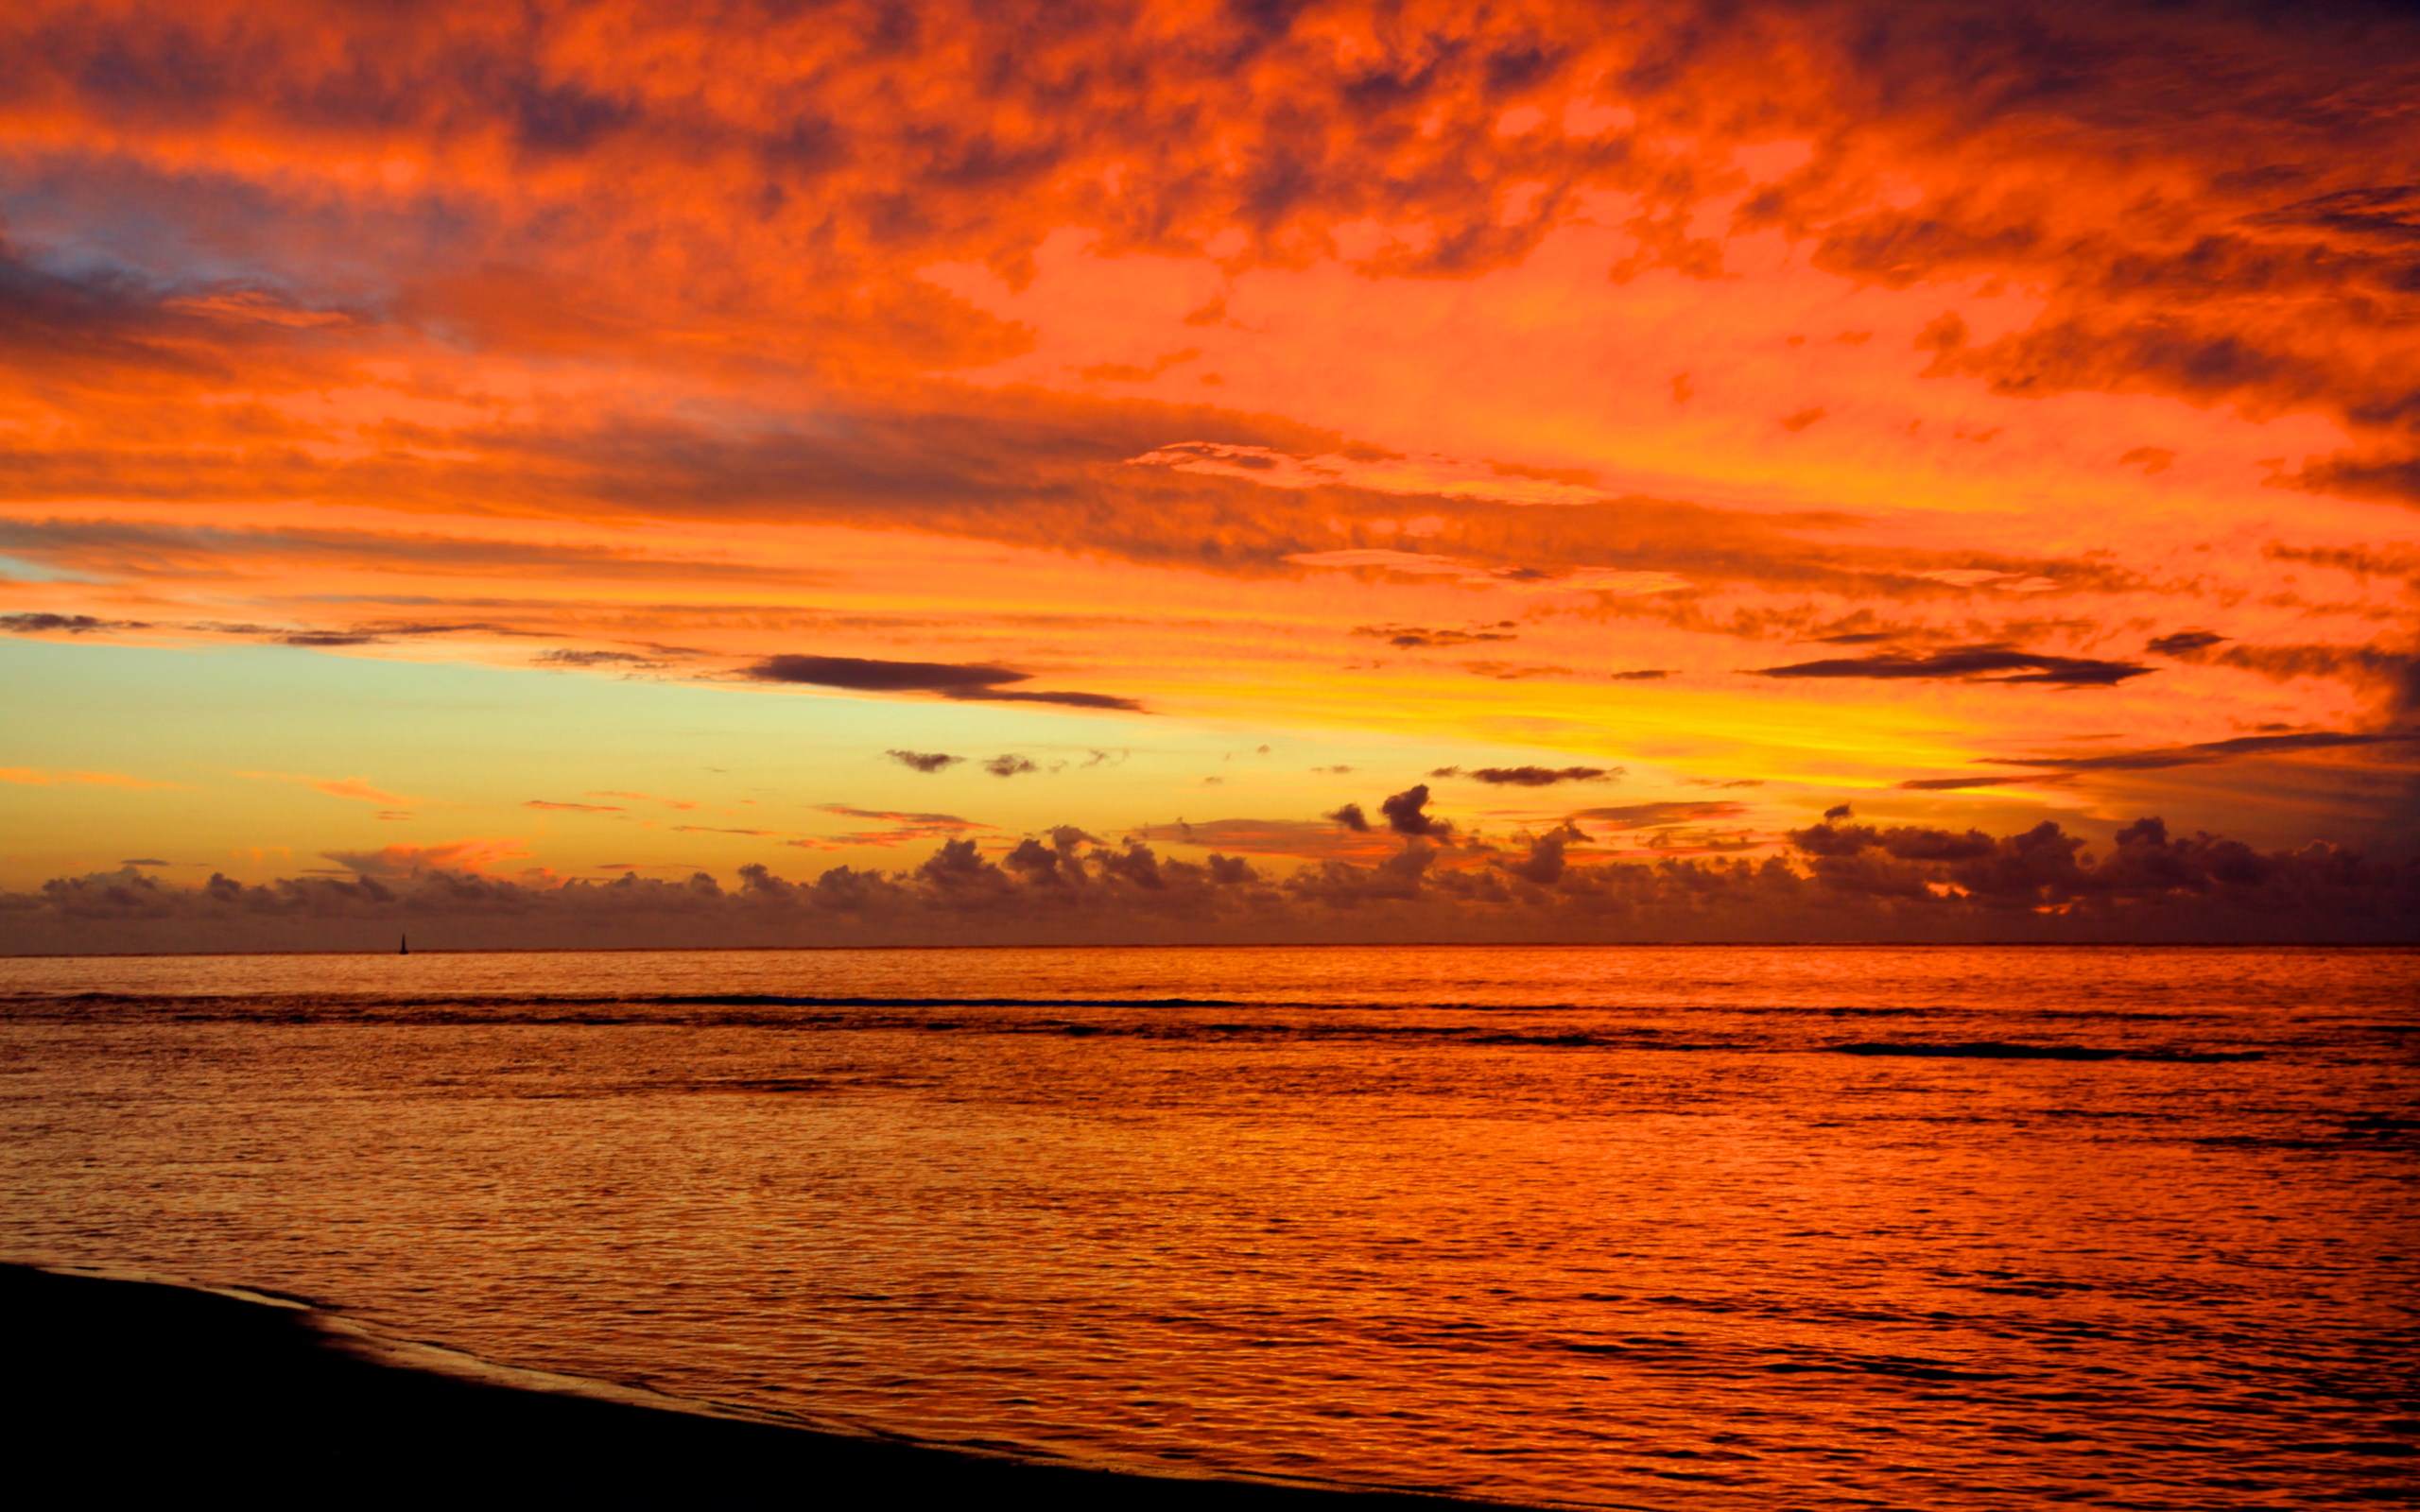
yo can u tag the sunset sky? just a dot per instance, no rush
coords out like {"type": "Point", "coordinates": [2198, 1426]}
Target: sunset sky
{"type": "Point", "coordinates": [1419, 455]}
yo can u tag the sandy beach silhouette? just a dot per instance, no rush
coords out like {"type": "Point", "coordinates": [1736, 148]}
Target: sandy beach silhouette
{"type": "Point", "coordinates": [229, 1388]}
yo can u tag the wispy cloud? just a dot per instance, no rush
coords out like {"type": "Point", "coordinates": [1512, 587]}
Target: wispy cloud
{"type": "Point", "coordinates": [353, 789]}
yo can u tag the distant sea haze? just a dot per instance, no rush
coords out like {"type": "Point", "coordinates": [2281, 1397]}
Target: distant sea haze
{"type": "Point", "coordinates": [1708, 1228]}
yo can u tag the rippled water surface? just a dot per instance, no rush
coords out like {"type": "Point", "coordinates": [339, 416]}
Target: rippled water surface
{"type": "Point", "coordinates": [1703, 1227]}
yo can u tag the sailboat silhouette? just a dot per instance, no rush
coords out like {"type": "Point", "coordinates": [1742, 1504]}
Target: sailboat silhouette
{"type": "Point", "coordinates": [403, 944]}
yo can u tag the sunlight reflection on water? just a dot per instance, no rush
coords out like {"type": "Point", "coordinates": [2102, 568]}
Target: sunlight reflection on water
{"type": "Point", "coordinates": [1733, 1227]}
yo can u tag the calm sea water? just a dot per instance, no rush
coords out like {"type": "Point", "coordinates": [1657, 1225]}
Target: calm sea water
{"type": "Point", "coordinates": [1713, 1227]}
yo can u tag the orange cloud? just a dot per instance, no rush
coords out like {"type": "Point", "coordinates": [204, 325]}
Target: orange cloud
{"type": "Point", "coordinates": [395, 862]}
{"type": "Point", "coordinates": [1841, 397]}
{"type": "Point", "coordinates": [353, 789]}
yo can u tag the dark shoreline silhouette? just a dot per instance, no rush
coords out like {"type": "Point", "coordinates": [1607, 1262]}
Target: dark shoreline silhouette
{"type": "Point", "coordinates": [266, 1396]}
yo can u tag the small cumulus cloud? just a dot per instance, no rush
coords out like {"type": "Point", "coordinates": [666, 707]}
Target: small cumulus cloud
{"type": "Point", "coordinates": [1408, 813]}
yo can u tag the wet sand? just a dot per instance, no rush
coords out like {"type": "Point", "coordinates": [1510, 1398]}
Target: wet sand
{"type": "Point", "coordinates": [137, 1386]}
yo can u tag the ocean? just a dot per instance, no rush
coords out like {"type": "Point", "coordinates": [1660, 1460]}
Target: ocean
{"type": "Point", "coordinates": [1705, 1227]}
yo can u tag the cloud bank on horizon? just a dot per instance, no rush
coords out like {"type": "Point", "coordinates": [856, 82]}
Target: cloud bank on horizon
{"type": "Point", "coordinates": [1838, 879]}
{"type": "Point", "coordinates": [1319, 449]}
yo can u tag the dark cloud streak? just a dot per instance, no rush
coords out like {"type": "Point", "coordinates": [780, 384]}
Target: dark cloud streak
{"type": "Point", "coordinates": [957, 680]}
{"type": "Point", "coordinates": [1530, 776]}
{"type": "Point", "coordinates": [1985, 664]}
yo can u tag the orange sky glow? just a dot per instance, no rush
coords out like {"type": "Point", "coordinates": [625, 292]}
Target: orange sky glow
{"type": "Point", "coordinates": [834, 472]}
